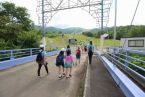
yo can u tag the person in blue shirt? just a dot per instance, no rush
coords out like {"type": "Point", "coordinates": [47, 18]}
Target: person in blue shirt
{"type": "Point", "coordinates": [90, 51]}
{"type": "Point", "coordinates": [43, 61]}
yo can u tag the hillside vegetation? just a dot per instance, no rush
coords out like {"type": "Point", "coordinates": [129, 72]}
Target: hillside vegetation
{"type": "Point", "coordinates": [59, 42]}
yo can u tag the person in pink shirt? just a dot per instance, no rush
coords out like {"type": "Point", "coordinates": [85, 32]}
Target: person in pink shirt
{"type": "Point", "coordinates": [68, 64]}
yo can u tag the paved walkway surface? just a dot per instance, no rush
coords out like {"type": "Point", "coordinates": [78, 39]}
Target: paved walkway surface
{"type": "Point", "coordinates": [101, 82]}
{"type": "Point", "coordinates": [22, 81]}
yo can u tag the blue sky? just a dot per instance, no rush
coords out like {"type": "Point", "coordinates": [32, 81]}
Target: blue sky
{"type": "Point", "coordinates": [80, 18]}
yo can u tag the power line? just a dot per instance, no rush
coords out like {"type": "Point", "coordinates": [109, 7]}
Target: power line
{"type": "Point", "coordinates": [132, 21]}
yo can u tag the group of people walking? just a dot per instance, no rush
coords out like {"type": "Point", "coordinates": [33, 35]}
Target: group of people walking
{"type": "Point", "coordinates": [64, 67]}
{"type": "Point", "coordinates": [64, 60]}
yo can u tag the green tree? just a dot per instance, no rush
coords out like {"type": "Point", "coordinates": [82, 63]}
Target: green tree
{"type": "Point", "coordinates": [16, 15]}
{"type": "Point", "coordinates": [29, 39]}
{"type": "Point", "coordinates": [15, 27]}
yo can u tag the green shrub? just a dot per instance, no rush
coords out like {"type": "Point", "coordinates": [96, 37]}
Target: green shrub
{"type": "Point", "coordinates": [52, 35]}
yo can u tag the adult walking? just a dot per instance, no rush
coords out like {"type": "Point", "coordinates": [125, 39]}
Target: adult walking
{"type": "Point", "coordinates": [41, 60]}
{"type": "Point", "coordinates": [90, 51]}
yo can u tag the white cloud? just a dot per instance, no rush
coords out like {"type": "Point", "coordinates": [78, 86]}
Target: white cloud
{"type": "Point", "coordinates": [73, 18]}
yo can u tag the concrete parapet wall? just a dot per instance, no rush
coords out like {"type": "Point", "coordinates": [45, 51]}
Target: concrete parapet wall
{"type": "Point", "coordinates": [23, 60]}
{"type": "Point", "coordinates": [129, 88]}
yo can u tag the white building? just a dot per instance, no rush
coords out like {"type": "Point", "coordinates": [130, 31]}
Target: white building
{"type": "Point", "coordinates": [137, 43]}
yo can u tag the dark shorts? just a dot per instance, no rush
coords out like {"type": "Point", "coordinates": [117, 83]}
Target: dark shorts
{"type": "Point", "coordinates": [60, 64]}
{"type": "Point", "coordinates": [78, 56]}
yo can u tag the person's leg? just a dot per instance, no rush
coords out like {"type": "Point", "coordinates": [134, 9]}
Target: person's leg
{"type": "Point", "coordinates": [79, 59]}
{"type": "Point", "coordinates": [76, 61]}
{"type": "Point", "coordinates": [66, 72]}
{"type": "Point", "coordinates": [46, 68]}
{"type": "Point", "coordinates": [89, 57]}
{"type": "Point", "coordinates": [91, 54]}
{"type": "Point", "coordinates": [70, 72]}
{"type": "Point", "coordinates": [59, 70]}
{"type": "Point", "coordinates": [63, 69]}
{"type": "Point", "coordinates": [39, 67]}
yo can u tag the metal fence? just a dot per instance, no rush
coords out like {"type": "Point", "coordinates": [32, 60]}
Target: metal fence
{"type": "Point", "coordinates": [130, 61]}
{"type": "Point", "coordinates": [18, 53]}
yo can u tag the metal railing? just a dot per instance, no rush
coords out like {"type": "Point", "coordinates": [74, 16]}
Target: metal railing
{"type": "Point", "coordinates": [130, 61]}
{"type": "Point", "coordinates": [18, 53]}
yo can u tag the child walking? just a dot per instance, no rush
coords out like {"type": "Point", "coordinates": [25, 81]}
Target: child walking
{"type": "Point", "coordinates": [68, 64]}
{"type": "Point", "coordinates": [60, 64]}
{"type": "Point", "coordinates": [78, 55]}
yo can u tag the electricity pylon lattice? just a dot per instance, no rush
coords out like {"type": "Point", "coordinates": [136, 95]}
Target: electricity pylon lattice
{"type": "Point", "coordinates": [98, 9]}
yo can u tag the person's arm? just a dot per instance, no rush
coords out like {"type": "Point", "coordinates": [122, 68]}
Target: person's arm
{"type": "Point", "coordinates": [72, 60]}
{"type": "Point", "coordinates": [93, 48]}
{"type": "Point", "coordinates": [44, 56]}
{"type": "Point", "coordinates": [88, 48]}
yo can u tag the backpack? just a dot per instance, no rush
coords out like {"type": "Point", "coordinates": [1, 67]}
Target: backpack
{"type": "Point", "coordinates": [68, 51]}
{"type": "Point", "coordinates": [59, 59]}
{"type": "Point", "coordinates": [90, 48]}
{"type": "Point", "coordinates": [39, 57]}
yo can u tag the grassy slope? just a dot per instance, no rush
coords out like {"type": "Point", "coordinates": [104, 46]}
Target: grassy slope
{"type": "Point", "coordinates": [62, 42]}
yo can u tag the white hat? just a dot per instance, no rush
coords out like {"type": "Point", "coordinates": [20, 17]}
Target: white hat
{"type": "Point", "coordinates": [41, 46]}
{"type": "Point", "coordinates": [63, 49]}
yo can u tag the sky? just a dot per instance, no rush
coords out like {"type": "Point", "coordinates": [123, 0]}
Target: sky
{"type": "Point", "coordinates": [80, 18]}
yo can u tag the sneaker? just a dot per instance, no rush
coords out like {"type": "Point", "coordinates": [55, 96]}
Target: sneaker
{"type": "Point", "coordinates": [48, 73]}
{"type": "Point", "coordinates": [60, 76]}
{"type": "Point", "coordinates": [70, 75]}
{"type": "Point", "coordinates": [67, 77]}
{"type": "Point", "coordinates": [63, 75]}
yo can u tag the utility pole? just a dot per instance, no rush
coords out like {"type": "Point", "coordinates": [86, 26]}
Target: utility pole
{"type": "Point", "coordinates": [102, 16]}
{"type": "Point", "coordinates": [43, 25]}
{"type": "Point", "coordinates": [115, 23]}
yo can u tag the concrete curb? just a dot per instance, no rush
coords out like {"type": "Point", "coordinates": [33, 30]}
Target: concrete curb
{"type": "Point", "coordinates": [87, 83]}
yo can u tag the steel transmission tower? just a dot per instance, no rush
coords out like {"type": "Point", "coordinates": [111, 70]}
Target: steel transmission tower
{"type": "Point", "coordinates": [98, 9]}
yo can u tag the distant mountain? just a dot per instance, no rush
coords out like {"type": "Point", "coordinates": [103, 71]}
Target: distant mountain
{"type": "Point", "coordinates": [94, 30]}
{"type": "Point", "coordinates": [54, 29]}
{"type": "Point", "coordinates": [74, 29]}
{"type": "Point", "coordinates": [68, 30]}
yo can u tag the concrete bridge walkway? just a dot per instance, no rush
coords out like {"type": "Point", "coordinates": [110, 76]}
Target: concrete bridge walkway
{"type": "Point", "coordinates": [22, 81]}
{"type": "Point", "coordinates": [99, 81]}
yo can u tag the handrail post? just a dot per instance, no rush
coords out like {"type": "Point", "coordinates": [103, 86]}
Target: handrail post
{"type": "Point", "coordinates": [126, 61]}
{"type": "Point", "coordinates": [30, 51]}
{"type": "Point", "coordinates": [12, 55]}
{"type": "Point", "coordinates": [107, 49]}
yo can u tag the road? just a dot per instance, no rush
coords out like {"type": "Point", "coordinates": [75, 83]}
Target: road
{"type": "Point", "coordinates": [22, 81]}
